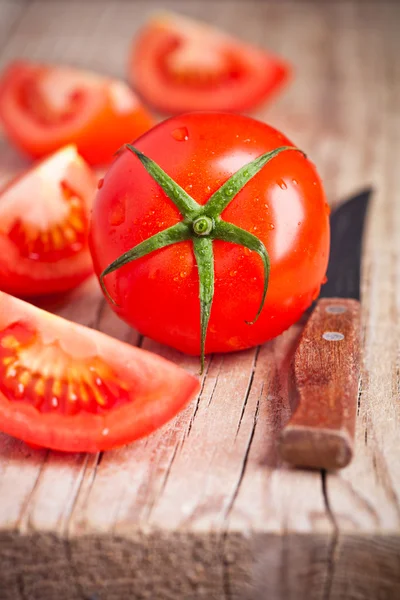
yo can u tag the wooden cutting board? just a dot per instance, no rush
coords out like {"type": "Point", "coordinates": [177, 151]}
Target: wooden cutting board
{"type": "Point", "coordinates": [204, 508]}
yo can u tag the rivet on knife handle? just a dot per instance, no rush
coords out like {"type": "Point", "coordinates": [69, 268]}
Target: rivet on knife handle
{"type": "Point", "coordinates": [326, 372]}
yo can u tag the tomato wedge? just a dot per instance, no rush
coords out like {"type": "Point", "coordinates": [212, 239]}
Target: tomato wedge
{"type": "Point", "coordinates": [44, 226]}
{"type": "Point", "coordinates": [66, 387]}
{"type": "Point", "coordinates": [179, 65]}
{"type": "Point", "coordinates": [45, 107]}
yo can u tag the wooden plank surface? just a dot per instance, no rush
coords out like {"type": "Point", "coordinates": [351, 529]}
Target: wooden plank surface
{"type": "Point", "coordinates": [204, 508]}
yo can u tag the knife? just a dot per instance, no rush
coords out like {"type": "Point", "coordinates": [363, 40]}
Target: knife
{"type": "Point", "coordinates": [326, 363]}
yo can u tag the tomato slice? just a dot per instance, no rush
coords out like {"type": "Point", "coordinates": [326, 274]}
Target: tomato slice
{"type": "Point", "coordinates": [44, 226]}
{"type": "Point", "coordinates": [180, 65]}
{"type": "Point", "coordinates": [45, 107]}
{"type": "Point", "coordinates": [66, 387]}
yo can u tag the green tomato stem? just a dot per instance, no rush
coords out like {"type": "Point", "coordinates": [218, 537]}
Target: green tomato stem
{"type": "Point", "coordinates": [203, 225]}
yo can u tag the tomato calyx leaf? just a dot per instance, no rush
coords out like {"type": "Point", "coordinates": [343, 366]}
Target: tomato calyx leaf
{"type": "Point", "coordinates": [172, 235]}
{"type": "Point", "coordinates": [188, 207]}
{"type": "Point", "coordinates": [204, 254]}
{"type": "Point", "coordinates": [235, 235]}
{"type": "Point", "coordinates": [202, 224]}
{"type": "Point", "coordinates": [226, 193]}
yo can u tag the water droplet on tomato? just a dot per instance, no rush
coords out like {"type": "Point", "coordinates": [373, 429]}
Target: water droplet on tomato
{"type": "Point", "coordinates": [232, 273]}
{"type": "Point", "coordinates": [294, 181]}
{"type": "Point", "coordinates": [234, 342]}
{"type": "Point", "coordinates": [325, 279]}
{"type": "Point", "coordinates": [271, 226]}
{"type": "Point", "coordinates": [54, 402]}
{"type": "Point", "coordinates": [183, 274]}
{"type": "Point", "coordinates": [266, 206]}
{"type": "Point", "coordinates": [327, 208]}
{"type": "Point", "coordinates": [282, 184]}
{"type": "Point", "coordinates": [117, 215]}
{"type": "Point", "coordinates": [181, 134]}
{"type": "Point", "coordinates": [189, 187]}
{"type": "Point", "coordinates": [105, 431]}
{"type": "Point", "coordinates": [247, 140]}
{"type": "Point", "coordinates": [247, 251]}
{"type": "Point", "coordinates": [100, 183]}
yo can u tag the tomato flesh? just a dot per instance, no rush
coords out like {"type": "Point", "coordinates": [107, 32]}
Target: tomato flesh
{"type": "Point", "coordinates": [66, 387]}
{"type": "Point", "coordinates": [44, 107]}
{"type": "Point", "coordinates": [284, 205]}
{"type": "Point", "coordinates": [61, 240]}
{"type": "Point", "coordinates": [33, 99]}
{"type": "Point", "coordinates": [51, 380]}
{"type": "Point", "coordinates": [43, 243]}
{"type": "Point", "coordinates": [178, 65]}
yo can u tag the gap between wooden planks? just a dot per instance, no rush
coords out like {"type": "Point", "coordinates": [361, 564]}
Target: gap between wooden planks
{"type": "Point", "coordinates": [204, 509]}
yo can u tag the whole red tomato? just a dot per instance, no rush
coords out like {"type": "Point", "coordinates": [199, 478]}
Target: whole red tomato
{"type": "Point", "coordinates": [281, 219]}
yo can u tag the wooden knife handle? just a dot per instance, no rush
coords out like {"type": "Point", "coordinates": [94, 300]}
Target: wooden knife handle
{"type": "Point", "coordinates": [326, 372]}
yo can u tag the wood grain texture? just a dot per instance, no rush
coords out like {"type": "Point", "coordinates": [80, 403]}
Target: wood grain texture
{"type": "Point", "coordinates": [204, 508]}
{"type": "Point", "coordinates": [326, 370]}
{"type": "Point", "coordinates": [10, 13]}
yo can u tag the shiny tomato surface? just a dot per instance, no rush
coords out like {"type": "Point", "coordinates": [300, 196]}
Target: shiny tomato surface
{"type": "Point", "coordinates": [66, 387]}
{"type": "Point", "coordinates": [44, 107]}
{"type": "Point", "coordinates": [283, 205]}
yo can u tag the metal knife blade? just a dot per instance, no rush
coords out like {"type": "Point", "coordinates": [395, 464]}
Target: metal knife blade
{"type": "Point", "coordinates": [347, 226]}
{"type": "Point", "coordinates": [326, 364]}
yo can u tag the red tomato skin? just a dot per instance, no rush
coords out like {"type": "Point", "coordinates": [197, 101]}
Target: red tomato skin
{"type": "Point", "coordinates": [42, 281]}
{"type": "Point", "coordinates": [284, 205]}
{"type": "Point", "coordinates": [97, 137]}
